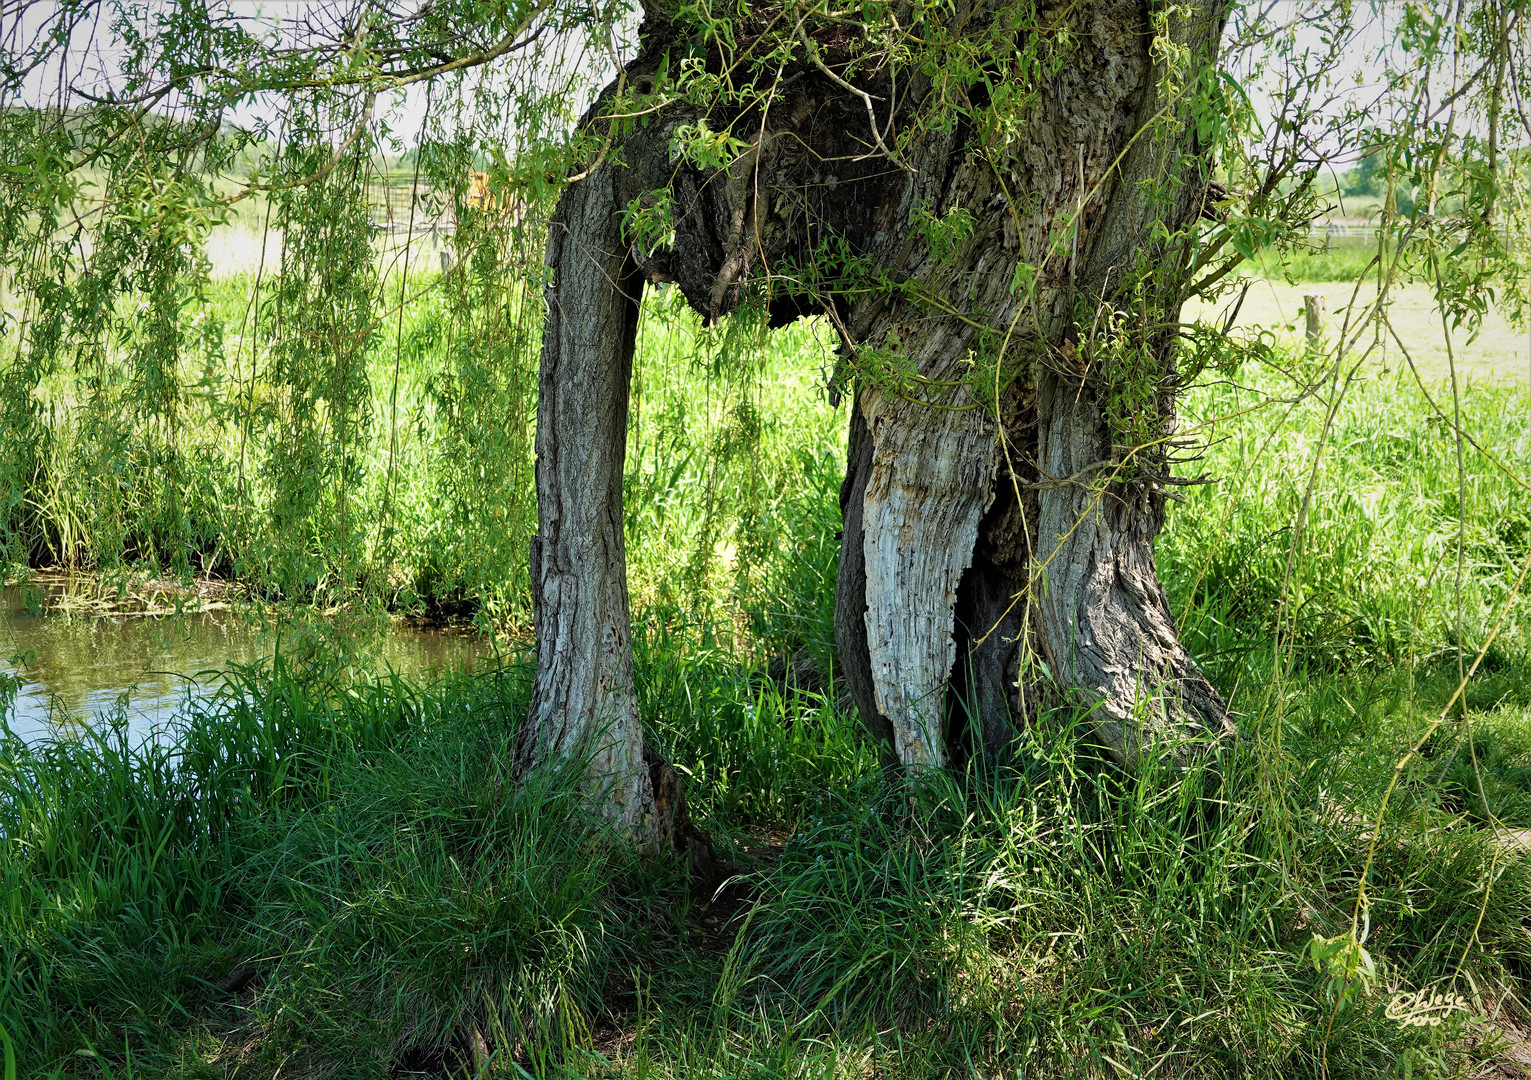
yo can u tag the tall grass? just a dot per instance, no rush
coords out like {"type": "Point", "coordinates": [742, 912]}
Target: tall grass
{"type": "Point", "coordinates": [1374, 578]}
{"type": "Point", "coordinates": [305, 830]}
{"type": "Point", "coordinates": [368, 890]}
{"type": "Point", "coordinates": [333, 877]}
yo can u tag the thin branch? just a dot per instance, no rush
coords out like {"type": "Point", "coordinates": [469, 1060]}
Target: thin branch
{"type": "Point", "coordinates": [320, 174]}
{"type": "Point", "coordinates": [866, 98]}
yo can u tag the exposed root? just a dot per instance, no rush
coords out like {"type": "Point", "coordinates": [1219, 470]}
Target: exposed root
{"type": "Point", "coordinates": [673, 829]}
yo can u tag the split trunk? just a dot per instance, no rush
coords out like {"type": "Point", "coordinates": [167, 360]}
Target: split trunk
{"type": "Point", "coordinates": [1007, 348]}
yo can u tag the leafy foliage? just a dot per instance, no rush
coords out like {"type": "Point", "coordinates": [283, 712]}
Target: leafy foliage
{"type": "Point", "coordinates": [350, 419]}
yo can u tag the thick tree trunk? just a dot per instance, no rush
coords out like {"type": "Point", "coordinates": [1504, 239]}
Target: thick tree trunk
{"type": "Point", "coordinates": [997, 555]}
{"type": "Point", "coordinates": [1001, 555]}
{"type": "Point", "coordinates": [583, 701]}
{"type": "Point", "coordinates": [1102, 620]}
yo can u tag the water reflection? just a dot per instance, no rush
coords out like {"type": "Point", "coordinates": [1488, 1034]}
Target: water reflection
{"type": "Point", "coordinates": [66, 669]}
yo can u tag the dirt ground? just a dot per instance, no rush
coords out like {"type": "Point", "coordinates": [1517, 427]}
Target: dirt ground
{"type": "Point", "coordinates": [1499, 353]}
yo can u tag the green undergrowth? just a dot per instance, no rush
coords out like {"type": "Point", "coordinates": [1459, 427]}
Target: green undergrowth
{"type": "Point", "coordinates": [408, 483]}
{"type": "Point", "coordinates": [1390, 537]}
{"type": "Point", "coordinates": [318, 876]}
{"type": "Point", "coordinates": [346, 881]}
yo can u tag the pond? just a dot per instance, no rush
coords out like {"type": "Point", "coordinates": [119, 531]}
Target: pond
{"type": "Point", "coordinates": [70, 666]}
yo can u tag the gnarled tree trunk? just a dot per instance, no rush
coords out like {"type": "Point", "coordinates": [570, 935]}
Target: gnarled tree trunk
{"type": "Point", "coordinates": [998, 545]}
{"type": "Point", "coordinates": [583, 701]}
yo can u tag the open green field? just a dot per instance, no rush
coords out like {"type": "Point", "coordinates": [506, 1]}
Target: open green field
{"type": "Point", "coordinates": [1495, 352]}
{"type": "Point", "coordinates": [324, 876]}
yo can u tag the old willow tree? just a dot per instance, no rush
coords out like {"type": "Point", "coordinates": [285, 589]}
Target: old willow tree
{"type": "Point", "coordinates": [999, 206]}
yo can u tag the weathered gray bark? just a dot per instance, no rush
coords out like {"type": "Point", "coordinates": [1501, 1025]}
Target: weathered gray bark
{"type": "Point", "coordinates": [851, 587]}
{"type": "Point", "coordinates": [930, 481]}
{"type": "Point", "coordinates": [583, 701]}
{"type": "Point", "coordinates": [998, 546]}
{"type": "Point", "coordinates": [1054, 553]}
{"type": "Point", "coordinates": [1102, 620]}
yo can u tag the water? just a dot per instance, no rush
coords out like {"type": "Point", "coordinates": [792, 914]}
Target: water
{"type": "Point", "coordinates": [70, 669]}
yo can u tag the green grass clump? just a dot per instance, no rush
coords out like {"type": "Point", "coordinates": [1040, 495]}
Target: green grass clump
{"type": "Point", "coordinates": [317, 876]}
{"type": "Point", "coordinates": [1374, 576]}
{"type": "Point", "coordinates": [386, 896]}
{"type": "Point", "coordinates": [756, 750]}
{"type": "Point", "coordinates": [288, 833]}
{"type": "Point", "coordinates": [1081, 922]}
{"type": "Point", "coordinates": [431, 897]}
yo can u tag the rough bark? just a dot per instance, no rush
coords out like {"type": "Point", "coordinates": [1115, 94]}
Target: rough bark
{"type": "Point", "coordinates": [583, 701]}
{"type": "Point", "coordinates": [851, 588]}
{"type": "Point", "coordinates": [931, 480]}
{"type": "Point", "coordinates": [1102, 617]}
{"type": "Point", "coordinates": [991, 563]}
{"type": "Point", "coordinates": [1055, 554]}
